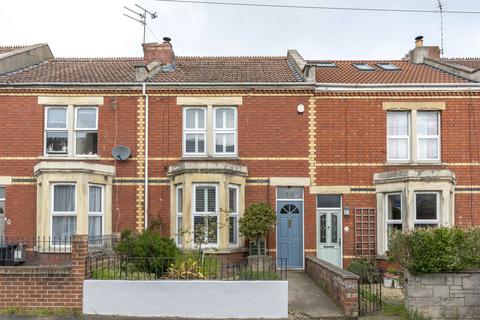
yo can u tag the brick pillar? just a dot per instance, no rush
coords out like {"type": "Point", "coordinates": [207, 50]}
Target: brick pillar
{"type": "Point", "coordinates": [79, 256]}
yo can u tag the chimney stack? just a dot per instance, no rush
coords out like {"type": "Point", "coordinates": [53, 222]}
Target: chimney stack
{"type": "Point", "coordinates": [421, 52]}
{"type": "Point", "coordinates": [159, 52]}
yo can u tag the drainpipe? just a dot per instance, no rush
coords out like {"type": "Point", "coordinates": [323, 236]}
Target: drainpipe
{"type": "Point", "coordinates": [145, 200]}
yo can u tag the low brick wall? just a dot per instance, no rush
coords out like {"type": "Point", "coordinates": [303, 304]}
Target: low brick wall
{"type": "Point", "coordinates": [46, 286]}
{"type": "Point", "coordinates": [340, 285]}
{"type": "Point", "coordinates": [444, 295]}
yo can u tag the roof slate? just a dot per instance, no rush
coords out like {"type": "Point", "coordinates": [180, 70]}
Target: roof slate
{"type": "Point", "coordinates": [408, 73]}
{"type": "Point", "coordinates": [187, 70]}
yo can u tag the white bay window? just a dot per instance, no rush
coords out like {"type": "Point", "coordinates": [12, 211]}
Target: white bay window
{"type": "Point", "coordinates": [179, 214]}
{"type": "Point", "coordinates": [427, 206]}
{"type": "Point", "coordinates": [412, 199]}
{"type": "Point", "coordinates": [233, 214]}
{"type": "Point", "coordinates": [205, 215]}
{"type": "Point", "coordinates": [64, 212]}
{"type": "Point", "coordinates": [95, 210]}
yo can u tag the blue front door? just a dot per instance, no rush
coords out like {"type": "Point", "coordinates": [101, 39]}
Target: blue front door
{"type": "Point", "coordinates": [290, 232]}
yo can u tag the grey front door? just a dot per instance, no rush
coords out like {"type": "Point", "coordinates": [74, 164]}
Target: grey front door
{"type": "Point", "coordinates": [290, 232]}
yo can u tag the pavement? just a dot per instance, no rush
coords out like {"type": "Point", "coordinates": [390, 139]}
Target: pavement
{"type": "Point", "coordinates": [305, 298]}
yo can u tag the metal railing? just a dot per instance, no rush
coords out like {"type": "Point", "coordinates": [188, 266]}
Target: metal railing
{"type": "Point", "coordinates": [185, 267]}
{"type": "Point", "coordinates": [34, 250]}
{"type": "Point", "coordinates": [102, 244]}
{"type": "Point", "coordinates": [370, 294]}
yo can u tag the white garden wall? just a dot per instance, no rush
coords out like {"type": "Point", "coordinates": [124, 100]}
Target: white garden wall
{"type": "Point", "coordinates": [189, 299]}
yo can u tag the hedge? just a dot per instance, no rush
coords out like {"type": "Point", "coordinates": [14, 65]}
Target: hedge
{"type": "Point", "coordinates": [442, 249]}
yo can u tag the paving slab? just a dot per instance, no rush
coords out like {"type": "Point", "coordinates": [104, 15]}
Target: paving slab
{"type": "Point", "coordinates": [306, 298]}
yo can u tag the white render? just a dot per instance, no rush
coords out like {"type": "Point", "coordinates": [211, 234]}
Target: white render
{"type": "Point", "coordinates": [187, 299]}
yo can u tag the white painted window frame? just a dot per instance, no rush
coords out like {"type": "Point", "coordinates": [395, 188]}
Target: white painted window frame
{"type": "Point", "coordinates": [205, 213]}
{"type": "Point", "coordinates": [234, 214]}
{"type": "Point", "coordinates": [97, 214]}
{"type": "Point", "coordinates": [437, 137]}
{"type": "Point", "coordinates": [4, 198]}
{"type": "Point", "coordinates": [425, 221]}
{"type": "Point", "coordinates": [224, 130]}
{"type": "Point", "coordinates": [195, 130]}
{"type": "Point", "coordinates": [71, 128]}
{"type": "Point", "coordinates": [413, 138]}
{"type": "Point", "coordinates": [392, 221]}
{"type": "Point", "coordinates": [79, 130]}
{"type": "Point", "coordinates": [178, 215]}
{"type": "Point", "coordinates": [47, 129]}
{"type": "Point", "coordinates": [408, 137]}
{"type": "Point", "coordinates": [61, 213]}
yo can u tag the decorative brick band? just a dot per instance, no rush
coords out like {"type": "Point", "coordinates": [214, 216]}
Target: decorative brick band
{"type": "Point", "coordinates": [312, 141]}
{"type": "Point", "coordinates": [140, 191]}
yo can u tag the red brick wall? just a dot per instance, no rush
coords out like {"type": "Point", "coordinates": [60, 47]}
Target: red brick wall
{"type": "Point", "coordinates": [34, 287]}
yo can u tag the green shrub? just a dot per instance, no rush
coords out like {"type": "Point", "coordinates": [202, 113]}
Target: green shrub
{"type": "Point", "coordinates": [147, 251]}
{"type": "Point", "coordinates": [442, 249]}
{"type": "Point", "coordinates": [257, 221]}
{"type": "Point", "coordinates": [366, 269]}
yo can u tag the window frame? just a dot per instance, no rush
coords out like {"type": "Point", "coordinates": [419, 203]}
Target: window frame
{"type": "Point", "coordinates": [71, 129]}
{"type": "Point", "coordinates": [194, 131]}
{"type": "Point", "coordinates": [224, 130]}
{"type": "Point", "coordinates": [234, 214]}
{"type": "Point", "coordinates": [207, 214]}
{"type": "Point", "coordinates": [178, 215]}
{"type": "Point", "coordinates": [46, 129]}
{"type": "Point", "coordinates": [392, 221]}
{"type": "Point", "coordinates": [437, 137]}
{"type": "Point", "coordinates": [62, 213]}
{"type": "Point", "coordinates": [408, 136]}
{"type": "Point", "coordinates": [438, 209]}
{"type": "Point", "coordinates": [76, 130]}
{"type": "Point", "coordinates": [96, 214]}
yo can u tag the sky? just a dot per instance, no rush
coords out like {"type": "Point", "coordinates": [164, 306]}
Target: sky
{"type": "Point", "coordinates": [97, 28]}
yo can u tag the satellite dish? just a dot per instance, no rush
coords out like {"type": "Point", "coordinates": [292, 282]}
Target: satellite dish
{"type": "Point", "coordinates": [121, 152]}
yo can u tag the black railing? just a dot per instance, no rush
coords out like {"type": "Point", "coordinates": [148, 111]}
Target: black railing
{"type": "Point", "coordinates": [185, 268]}
{"type": "Point", "coordinates": [34, 250]}
{"type": "Point", "coordinates": [102, 244]}
{"type": "Point", "coordinates": [370, 294]}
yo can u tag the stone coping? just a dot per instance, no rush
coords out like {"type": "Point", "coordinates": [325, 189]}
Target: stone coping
{"type": "Point", "coordinates": [35, 270]}
{"type": "Point", "coordinates": [345, 274]}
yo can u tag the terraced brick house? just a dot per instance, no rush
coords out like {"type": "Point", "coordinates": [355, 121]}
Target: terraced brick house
{"type": "Point", "coordinates": [344, 150]}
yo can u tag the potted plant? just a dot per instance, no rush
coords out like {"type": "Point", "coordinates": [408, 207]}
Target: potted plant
{"type": "Point", "coordinates": [256, 223]}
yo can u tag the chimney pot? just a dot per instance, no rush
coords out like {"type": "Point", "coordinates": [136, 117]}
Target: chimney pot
{"type": "Point", "coordinates": [419, 41]}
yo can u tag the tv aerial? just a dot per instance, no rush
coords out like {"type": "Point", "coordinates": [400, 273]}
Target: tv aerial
{"type": "Point", "coordinates": [141, 17]}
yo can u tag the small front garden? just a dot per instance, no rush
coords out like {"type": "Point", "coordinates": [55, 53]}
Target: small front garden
{"type": "Point", "coordinates": [148, 256]}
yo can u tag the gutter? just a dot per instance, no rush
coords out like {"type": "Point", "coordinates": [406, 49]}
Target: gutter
{"type": "Point", "coordinates": [326, 87]}
{"type": "Point", "coordinates": [145, 200]}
